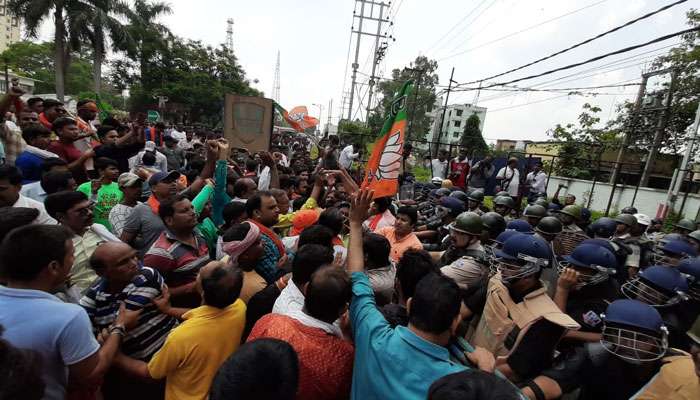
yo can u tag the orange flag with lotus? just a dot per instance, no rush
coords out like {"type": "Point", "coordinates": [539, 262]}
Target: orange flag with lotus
{"type": "Point", "coordinates": [382, 170]}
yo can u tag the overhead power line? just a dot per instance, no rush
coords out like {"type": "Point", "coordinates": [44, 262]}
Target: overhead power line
{"type": "Point", "coordinates": [600, 57]}
{"type": "Point", "coordinates": [523, 30]}
{"type": "Point", "coordinates": [527, 89]}
{"type": "Point", "coordinates": [617, 28]}
{"type": "Point", "coordinates": [454, 26]}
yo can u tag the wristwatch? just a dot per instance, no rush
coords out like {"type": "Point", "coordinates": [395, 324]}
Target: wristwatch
{"type": "Point", "coordinates": [117, 329]}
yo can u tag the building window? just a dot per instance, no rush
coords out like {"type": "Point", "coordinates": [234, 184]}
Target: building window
{"type": "Point", "coordinates": [459, 113]}
{"type": "Point", "coordinates": [455, 135]}
{"type": "Point", "coordinates": [457, 124]}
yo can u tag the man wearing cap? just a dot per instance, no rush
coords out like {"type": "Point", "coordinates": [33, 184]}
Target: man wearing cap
{"type": "Point", "coordinates": [174, 155]}
{"type": "Point", "coordinates": [144, 220]}
{"type": "Point", "coordinates": [131, 186]}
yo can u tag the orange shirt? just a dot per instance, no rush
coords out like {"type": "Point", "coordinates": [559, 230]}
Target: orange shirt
{"type": "Point", "coordinates": [398, 247]}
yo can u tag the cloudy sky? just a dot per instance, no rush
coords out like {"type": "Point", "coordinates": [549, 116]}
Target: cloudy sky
{"type": "Point", "coordinates": [478, 38]}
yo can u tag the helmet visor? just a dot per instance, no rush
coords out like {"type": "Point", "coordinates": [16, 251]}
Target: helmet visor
{"type": "Point", "coordinates": [512, 270]}
{"type": "Point", "coordinates": [633, 345]}
{"type": "Point", "coordinates": [587, 276]}
{"type": "Point", "coordinates": [640, 289]}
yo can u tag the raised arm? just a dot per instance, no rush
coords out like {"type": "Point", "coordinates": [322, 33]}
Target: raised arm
{"type": "Point", "coordinates": [358, 214]}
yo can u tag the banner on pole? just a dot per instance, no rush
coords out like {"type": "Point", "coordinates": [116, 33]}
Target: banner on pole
{"type": "Point", "coordinates": [382, 170]}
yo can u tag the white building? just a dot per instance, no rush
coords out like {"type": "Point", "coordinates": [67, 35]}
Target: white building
{"type": "Point", "coordinates": [455, 120]}
{"type": "Point", "coordinates": [9, 27]}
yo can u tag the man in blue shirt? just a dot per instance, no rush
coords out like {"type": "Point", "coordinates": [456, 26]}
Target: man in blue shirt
{"type": "Point", "coordinates": [402, 363]}
{"type": "Point", "coordinates": [34, 261]}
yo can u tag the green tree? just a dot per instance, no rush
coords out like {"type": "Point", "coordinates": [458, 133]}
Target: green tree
{"type": "Point", "coordinates": [149, 37]}
{"type": "Point", "coordinates": [685, 59]}
{"type": "Point", "coordinates": [472, 138]}
{"type": "Point", "coordinates": [36, 61]}
{"type": "Point", "coordinates": [580, 144]}
{"type": "Point", "coordinates": [423, 73]}
{"type": "Point", "coordinates": [194, 77]}
{"type": "Point", "coordinates": [67, 15]}
{"type": "Point", "coordinates": [100, 22]}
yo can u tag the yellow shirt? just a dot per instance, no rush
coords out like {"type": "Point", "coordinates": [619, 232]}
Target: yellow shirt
{"type": "Point", "coordinates": [252, 283]}
{"type": "Point", "coordinates": [195, 350]}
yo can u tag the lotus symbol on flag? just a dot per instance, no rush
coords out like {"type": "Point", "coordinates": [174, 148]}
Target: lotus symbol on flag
{"type": "Point", "coordinates": [389, 163]}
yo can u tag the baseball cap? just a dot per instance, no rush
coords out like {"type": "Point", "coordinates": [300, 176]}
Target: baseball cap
{"type": "Point", "coordinates": [159, 177]}
{"type": "Point", "coordinates": [128, 179]}
{"type": "Point", "coordinates": [150, 146]}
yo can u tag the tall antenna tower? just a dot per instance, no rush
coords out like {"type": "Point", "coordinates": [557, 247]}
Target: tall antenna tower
{"type": "Point", "coordinates": [229, 34]}
{"type": "Point", "coordinates": [276, 84]}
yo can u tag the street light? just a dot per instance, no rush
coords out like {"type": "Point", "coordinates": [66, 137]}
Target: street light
{"type": "Point", "coordinates": [320, 112]}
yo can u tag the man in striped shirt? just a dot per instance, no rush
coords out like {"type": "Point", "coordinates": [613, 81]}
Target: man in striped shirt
{"type": "Point", "coordinates": [122, 279]}
{"type": "Point", "coordinates": [179, 252]}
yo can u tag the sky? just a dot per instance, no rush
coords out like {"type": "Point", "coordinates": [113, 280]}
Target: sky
{"type": "Point", "coordinates": [478, 38]}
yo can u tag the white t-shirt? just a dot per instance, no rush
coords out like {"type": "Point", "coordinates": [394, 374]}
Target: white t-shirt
{"type": "Point", "coordinates": [175, 134]}
{"type": "Point", "coordinates": [347, 156]}
{"type": "Point", "coordinates": [43, 218]}
{"type": "Point", "coordinates": [511, 177]}
{"type": "Point", "coordinates": [537, 182]}
{"type": "Point", "coordinates": [439, 168]}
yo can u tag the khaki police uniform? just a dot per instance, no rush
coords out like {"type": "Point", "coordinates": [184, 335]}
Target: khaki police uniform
{"type": "Point", "coordinates": [501, 315]}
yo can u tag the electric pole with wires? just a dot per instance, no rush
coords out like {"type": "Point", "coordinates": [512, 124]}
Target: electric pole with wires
{"type": "Point", "coordinates": [367, 13]}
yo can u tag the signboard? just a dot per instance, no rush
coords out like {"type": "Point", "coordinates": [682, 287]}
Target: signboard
{"type": "Point", "coordinates": [248, 122]}
{"type": "Point", "coordinates": [153, 116]}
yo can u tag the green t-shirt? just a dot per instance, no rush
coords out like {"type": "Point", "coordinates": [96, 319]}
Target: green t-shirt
{"type": "Point", "coordinates": [108, 196]}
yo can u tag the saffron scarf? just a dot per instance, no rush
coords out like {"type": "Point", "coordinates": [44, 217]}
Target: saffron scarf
{"type": "Point", "coordinates": [375, 221]}
{"type": "Point", "coordinates": [272, 235]}
{"type": "Point", "coordinates": [154, 204]}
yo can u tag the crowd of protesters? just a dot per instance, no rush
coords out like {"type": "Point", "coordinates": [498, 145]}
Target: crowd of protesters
{"type": "Point", "coordinates": [145, 261]}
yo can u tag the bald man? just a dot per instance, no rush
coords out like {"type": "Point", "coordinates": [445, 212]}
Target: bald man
{"type": "Point", "coordinates": [122, 278]}
{"type": "Point", "coordinates": [210, 333]}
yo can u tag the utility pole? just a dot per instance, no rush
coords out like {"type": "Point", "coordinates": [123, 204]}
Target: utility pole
{"type": "Point", "coordinates": [378, 55]}
{"type": "Point", "coordinates": [444, 111]}
{"type": "Point", "coordinates": [629, 128]}
{"type": "Point", "coordinates": [229, 35]}
{"type": "Point", "coordinates": [276, 83]}
{"type": "Point", "coordinates": [659, 132]}
{"type": "Point", "coordinates": [692, 138]}
{"type": "Point", "coordinates": [415, 101]}
{"type": "Point", "coordinates": [355, 65]}
{"type": "Point", "coordinates": [330, 113]}
{"type": "Point", "coordinates": [478, 92]}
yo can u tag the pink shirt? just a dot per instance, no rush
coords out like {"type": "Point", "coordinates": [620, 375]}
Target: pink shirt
{"type": "Point", "coordinates": [398, 247]}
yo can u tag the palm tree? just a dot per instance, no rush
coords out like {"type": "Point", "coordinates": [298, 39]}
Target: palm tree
{"type": "Point", "coordinates": [33, 13]}
{"type": "Point", "coordinates": [148, 35]}
{"type": "Point", "coordinates": [99, 20]}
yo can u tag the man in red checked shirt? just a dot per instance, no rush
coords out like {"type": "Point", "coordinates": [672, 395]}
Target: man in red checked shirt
{"type": "Point", "coordinates": [459, 169]}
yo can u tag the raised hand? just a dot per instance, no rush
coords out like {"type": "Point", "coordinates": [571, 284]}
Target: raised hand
{"type": "Point", "coordinates": [568, 279]}
{"type": "Point", "coordinates": [359, 206]}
